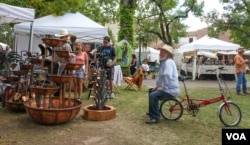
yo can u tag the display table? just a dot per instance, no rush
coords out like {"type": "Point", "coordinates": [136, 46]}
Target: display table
{"type": "Point", "coordinates": [118, 76]}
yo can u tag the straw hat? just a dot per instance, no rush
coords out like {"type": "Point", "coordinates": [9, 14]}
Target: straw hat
{"type": "Point", "coordinates": [63, 32]}
{"type": "Point", "coordinates": [241, 49]}
{"type": "Point", "coordinates": [167, 48]}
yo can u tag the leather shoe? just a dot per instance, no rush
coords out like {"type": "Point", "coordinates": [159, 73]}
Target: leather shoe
{"type": "Point", "coordinates": [241, 94]}
{"type": "Point", "coordinates": [147, 113]}
{"type": "Point", "coordinates": [152, 121]}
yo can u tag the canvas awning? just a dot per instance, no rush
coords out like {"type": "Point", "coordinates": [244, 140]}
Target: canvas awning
{"type": "Point", "coordinates": [208, 43]}
{"type": "Point", "coordinates": [14, 14]}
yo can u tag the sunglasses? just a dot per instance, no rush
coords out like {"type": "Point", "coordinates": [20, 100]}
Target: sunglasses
{"type": "Point", "coordinates": [105, 42]}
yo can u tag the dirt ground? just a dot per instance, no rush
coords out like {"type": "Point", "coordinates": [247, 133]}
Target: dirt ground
{"type": "Point", "coordinates": [20, 129]}
{"type": "Point", "coordinates": [125, 129]}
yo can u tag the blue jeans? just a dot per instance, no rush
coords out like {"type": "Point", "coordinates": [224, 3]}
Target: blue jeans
{"type": "Point", "coordinates": [154, 98]}
{"type": "Point", "coordinates": [241, 81]}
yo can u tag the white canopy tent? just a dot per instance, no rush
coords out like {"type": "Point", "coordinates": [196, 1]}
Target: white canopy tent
{"type": "Point", "coordinates": [208, 43]}
{"type": "Point", "coordinates": [3, 45]}
{"type": "Point", "coordinates": [207, 54]}
{"type": "Point", "coordinates": [77, 24]}
{"type": "Point", "coordinates": [14, 14]}
{"type": "Point", "coordinates": [202, 46]}
{"type": "Point", "coordinates": [148, 52]}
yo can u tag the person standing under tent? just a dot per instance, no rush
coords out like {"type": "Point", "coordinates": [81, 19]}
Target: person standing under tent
{"type": "Point", "coordinates": [133, 65]}
{"type": "Point", "coordinates": [59, 63]}
{"type": "Point", "coordinates": [107, 58]}
{"type": "Point", "coordinates": [82, 58]}
{"type": "Point", "coordinates": [240, 70]}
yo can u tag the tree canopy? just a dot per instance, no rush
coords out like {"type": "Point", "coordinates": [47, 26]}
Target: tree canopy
{"type": "Point", "coordinates": [235, 18]}
{"type": "Point", "coordinates": [152, 19]}
{"type": "Point", "coordinates": [163, 18]}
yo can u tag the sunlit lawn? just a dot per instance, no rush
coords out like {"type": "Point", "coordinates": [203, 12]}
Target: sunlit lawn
{"type": "Point", "coordinates": [205, 128]}
{"type": "Point", "coordinates": [129, 125]}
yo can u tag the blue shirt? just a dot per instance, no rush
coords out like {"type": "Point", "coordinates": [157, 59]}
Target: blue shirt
{"type": "Point", "coordinates": [168, 77]}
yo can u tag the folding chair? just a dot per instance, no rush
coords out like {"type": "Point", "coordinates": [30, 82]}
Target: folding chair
{"type": "Point", "coordinates": [135, 80]}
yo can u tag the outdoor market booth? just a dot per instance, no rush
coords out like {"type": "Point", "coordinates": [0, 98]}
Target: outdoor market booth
{"type": "Point", "coordinates": [14, 82]}
{"type": "Point", "coordinates": [201, 55]}
{"type": "Point", "coordinates": [48, 108]}
{"type": "Point", "coordinates": [77, 24]}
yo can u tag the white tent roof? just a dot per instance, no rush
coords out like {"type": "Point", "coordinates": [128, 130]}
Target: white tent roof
{"type": "Point", "coordinates": [76, 23]}
{"type": "Point", "coordinates": [13, 14]}
{"type": "Point", "coordinates": [207, 54]}
{"type": "Point", "coordinates": [208, 43]}
{"type": "Point", "coordinates": [247, 52]}
{"type": "Point", "coordinates": [147, 49]}
{"type": "Point", "coordinates": [3, 45]}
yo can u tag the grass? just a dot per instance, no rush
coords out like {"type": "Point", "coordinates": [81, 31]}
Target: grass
{"type": "Point", "coordinates": [129, 127]}
{"type": "Point", "coordinates": [205, 128]}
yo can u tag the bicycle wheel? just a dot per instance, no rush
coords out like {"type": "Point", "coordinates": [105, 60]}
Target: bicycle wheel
{"type": "Point", "coordinates": [171, 109]}
{"type": "Point", "coordinates": [229, 114]}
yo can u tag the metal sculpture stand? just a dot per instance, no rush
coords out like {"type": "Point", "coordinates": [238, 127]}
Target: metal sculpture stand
{"type": "Point", "coordinates": [46, 108]}
{"type": "Point", "coordinates": [16, 93]}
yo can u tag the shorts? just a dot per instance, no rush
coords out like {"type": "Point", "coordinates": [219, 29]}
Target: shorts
{"type": "Point", "coordinates": [110, 73]}
{"type": "Point", "coordinates": [79, 73]}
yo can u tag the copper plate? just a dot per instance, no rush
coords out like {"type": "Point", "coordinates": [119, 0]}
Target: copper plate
{"type": "Point", "coordinates": [54, 42]}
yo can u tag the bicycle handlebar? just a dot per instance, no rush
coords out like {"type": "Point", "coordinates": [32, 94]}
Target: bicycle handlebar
{"type": "Point", "coordinates": [182, 78]}
{"type": "Point", "coordinates": [213, 70]}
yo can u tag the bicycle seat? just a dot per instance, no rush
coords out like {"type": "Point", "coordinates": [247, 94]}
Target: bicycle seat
{"type": "Point", "coordinates": [182, 78]}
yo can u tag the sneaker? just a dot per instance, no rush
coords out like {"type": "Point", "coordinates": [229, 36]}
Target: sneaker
{"type": "Point", "coordinates": [152, 121]}
{"type": "Point", "coordinates": [241, 93]}
{"type": "Point", "coordinates": [112, 96]}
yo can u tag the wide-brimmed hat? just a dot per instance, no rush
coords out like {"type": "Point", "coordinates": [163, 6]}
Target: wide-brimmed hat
{"type": "Point", "coordinates": [167, 48]}
{"type": "Point", "coordinates": [63, 32]}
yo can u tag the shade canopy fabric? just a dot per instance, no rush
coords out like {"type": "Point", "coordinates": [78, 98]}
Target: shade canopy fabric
{"type": "Point", "coordinates": [3, 45]}
{"type": "Point", "coordinates": [207, 54]}
{"type": "Point", "coordinates": [14, 14]}
{"type": "Point", "coordinates": [148, 53]}
{"type": "Point", "coordinates": [208, 43]}
{"type": "Point", "coordinates": [76, 23]}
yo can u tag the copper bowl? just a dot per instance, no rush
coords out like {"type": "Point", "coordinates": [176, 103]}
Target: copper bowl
{"type": "Point", "coordinates": [9, 79]}
{"type": "Point", "coordinates": [13, 65]}
{"type": "Point", "coordinates": [35, 60]}
{"type": "Point", "coordinates": [54, 115]}
{"type": "Point", "coordinates": [61, 78]}
{"type": "Point", "coordinates": [15, 106]}
{"type": "Point", "coordinates": [62, 53]}
{"type": "Point", "coordinates": [54, 42]}
{"type": "Point", "coordinates": [74, 66]}
{"type": "Point", "coordinates": [19, 72]}
{"type": "Point", "coordinates": [46, 90]}
{"type": "Point", "coordinates": [26, 66]}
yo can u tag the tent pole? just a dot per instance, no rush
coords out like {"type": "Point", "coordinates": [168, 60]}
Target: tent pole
{"type": "Point", "coordinates": [31, 36]}
{"type": "Point", "coordinates": [140, 49]}
{"type": "Point", "coordinates": [194, 67]}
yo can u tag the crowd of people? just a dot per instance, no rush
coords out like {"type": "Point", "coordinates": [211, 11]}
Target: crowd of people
{"type": "Point", "coordinates": [81, 53]}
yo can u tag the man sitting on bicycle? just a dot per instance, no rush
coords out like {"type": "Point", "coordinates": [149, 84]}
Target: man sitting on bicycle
{"type": "Point", "coordinates": [167, 84]}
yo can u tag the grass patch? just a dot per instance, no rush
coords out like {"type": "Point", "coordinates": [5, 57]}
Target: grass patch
{"type": "Point", "coordinates": [205, 128]}
{"type": "Point", "coordinates": [129, 126]}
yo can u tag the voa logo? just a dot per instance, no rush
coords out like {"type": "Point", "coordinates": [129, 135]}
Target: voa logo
{"type": "Point", "coordinates": [236, 136]}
